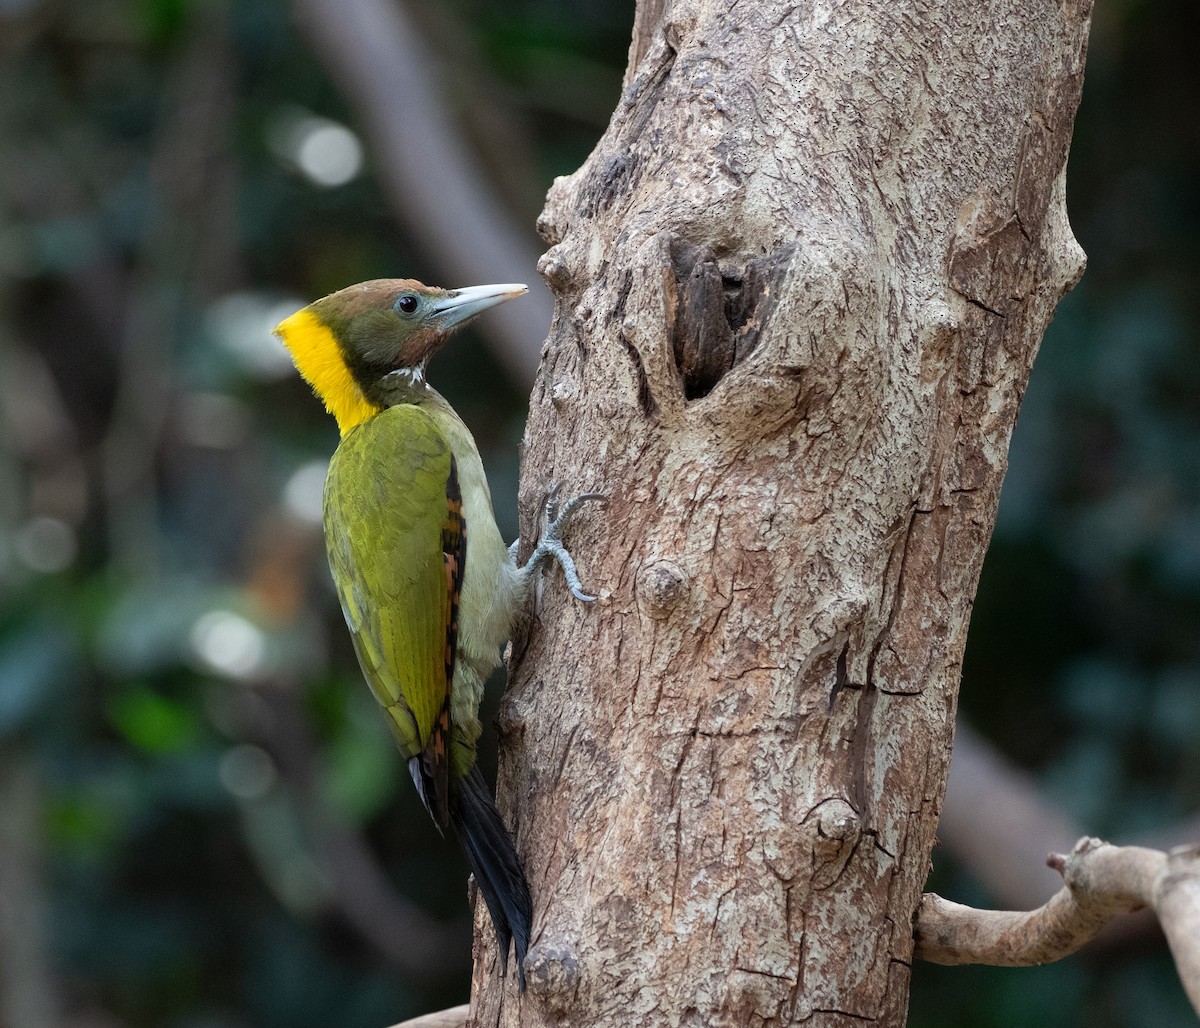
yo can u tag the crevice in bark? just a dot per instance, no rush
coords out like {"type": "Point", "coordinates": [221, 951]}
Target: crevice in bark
{"type": "Point", "coordinates": [841, 677]}
{"type": "Point", "coordinates": [645, 397]}
{"type": "Point", "coordinates": [720, 306]}
{"type": "Point", "coordinates": [860, 754]}
{"type": "Point", "coordinates": [618, 176]}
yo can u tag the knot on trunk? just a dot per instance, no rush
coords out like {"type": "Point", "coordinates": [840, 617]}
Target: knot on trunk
{"type": "Point", "coordinates": [661, 585]}
{"type": "Point", "coordinates": [552, 970]}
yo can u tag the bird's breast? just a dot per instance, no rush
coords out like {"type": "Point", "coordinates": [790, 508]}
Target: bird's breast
{"type": "Point", "coordinates": [491, 584]}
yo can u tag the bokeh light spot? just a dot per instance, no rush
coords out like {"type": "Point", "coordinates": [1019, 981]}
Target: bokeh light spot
{"type": "Point", "coordinates": [324, 151]}
{"type": "Point", "coordinates": [302, 495]}
{"type": "Point", "coordinates": [229, 644]}
{"type": "Point", "coordinates": [247, 771]}
{"type": "Point", "coordinates": [241, 324]}
{"type": "Point", "coordinates": [330, 154]}
{"type": "Point", "coordinates": [46, 545]}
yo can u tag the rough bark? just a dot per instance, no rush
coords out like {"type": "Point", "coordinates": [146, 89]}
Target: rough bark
{"type": "Point", "coordinates": [800, 284]}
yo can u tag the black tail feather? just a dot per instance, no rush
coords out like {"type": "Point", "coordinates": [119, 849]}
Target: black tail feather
{"type": "Point", "coordinates": [496, 866]}
{"type": "Point", "coordinates": [422, 776]}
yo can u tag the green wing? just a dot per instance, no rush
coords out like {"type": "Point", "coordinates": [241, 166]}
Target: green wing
{"type": "Point", "coordinates": [396, 540]}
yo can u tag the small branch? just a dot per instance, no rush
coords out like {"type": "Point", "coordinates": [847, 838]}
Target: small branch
{"type": "Point", "coordinates": [1178, 906]}
{"type": "Point", "coordinates": [455, 1017]}
{"type": "Point", "coordinates": [1101, 881]}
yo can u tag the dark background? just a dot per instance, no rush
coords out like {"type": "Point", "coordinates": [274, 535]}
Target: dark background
{"type": "Point", "coordinates": [202, 821]}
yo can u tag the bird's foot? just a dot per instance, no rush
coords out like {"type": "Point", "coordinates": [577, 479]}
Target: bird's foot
{"type": "Point", "coordinates": [555, 519]}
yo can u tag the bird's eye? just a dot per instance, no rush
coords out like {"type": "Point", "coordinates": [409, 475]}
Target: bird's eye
{"type": "Point", "coordinates": [406, 303]}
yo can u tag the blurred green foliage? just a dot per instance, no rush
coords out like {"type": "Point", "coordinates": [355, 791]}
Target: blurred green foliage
{"type": "Point", "coordinates": [185, 745]}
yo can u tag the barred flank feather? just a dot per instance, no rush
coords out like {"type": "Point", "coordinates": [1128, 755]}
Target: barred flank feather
{"type": "Point", "coordinates": [496, 866]}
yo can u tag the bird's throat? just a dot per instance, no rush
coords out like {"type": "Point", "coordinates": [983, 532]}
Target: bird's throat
{"type": "Point", "coordinates": [319, 358]}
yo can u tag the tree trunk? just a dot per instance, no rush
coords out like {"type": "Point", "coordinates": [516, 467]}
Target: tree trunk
{"type": "Point", "coordinates": [800, 284]}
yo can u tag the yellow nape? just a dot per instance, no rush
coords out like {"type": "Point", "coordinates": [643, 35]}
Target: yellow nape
{"type": "Point", "coordinates": [318, 358]}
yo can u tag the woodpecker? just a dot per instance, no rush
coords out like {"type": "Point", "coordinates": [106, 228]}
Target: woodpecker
{"type": "Point", "coordinates": [428, 588]}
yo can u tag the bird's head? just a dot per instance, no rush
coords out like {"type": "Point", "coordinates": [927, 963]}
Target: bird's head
{"type": "Point", "coordinates": [346, 344]}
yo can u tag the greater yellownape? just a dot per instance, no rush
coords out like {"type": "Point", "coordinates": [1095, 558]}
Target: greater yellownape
{"type": "Point", "coordinates": [428, 588]}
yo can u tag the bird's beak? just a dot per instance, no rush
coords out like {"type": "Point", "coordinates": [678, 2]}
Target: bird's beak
{"type": "Point", "coordinates": [460, 305]}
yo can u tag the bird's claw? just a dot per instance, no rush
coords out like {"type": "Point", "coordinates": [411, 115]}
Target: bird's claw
{"type": "Point", "coordinates": [556, 518]}
{"type": "Point", "coordinates": [552, 549]}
